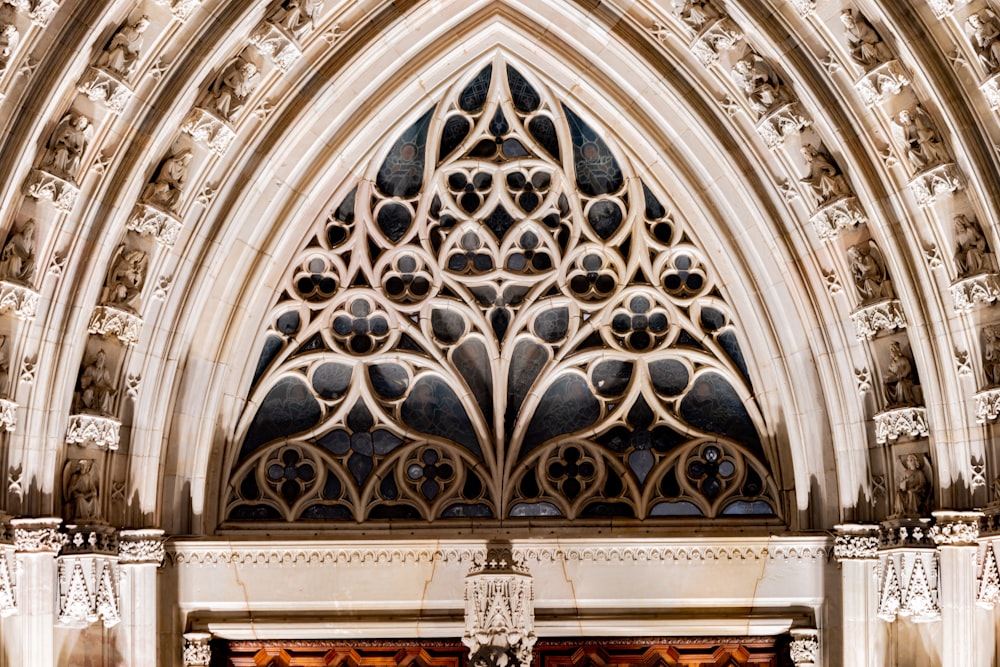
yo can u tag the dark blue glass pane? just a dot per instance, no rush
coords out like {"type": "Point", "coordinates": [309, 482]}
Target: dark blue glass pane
{"type": "Point", "coordinates": [535, 509]}
{"type": "Point", "coordinates": [712, 319]}
{"type": "Point", "coordinates": [474, 510]}
{"type": "Point", "coordinates": [524, 96]}
{"type": "Point", "coordinates": [388, 380]}
{"type": "Point", "coordinates": [473, 363]}
{"type": "Point", "coordinates": [287, 409]}
{"type": "Point", "coordinates": [526, 362]}
{"type": "Point", "coordinates": [499, 221]}
{"type": "Point", "coordinates": [247, 512]}
{"type": "Point", "coordinates": [758, 507]}
{"type": "Point", "coordinates": [455, 130]}
{"type": "Point", "coordinates": [654, 209]}
{"type": "Point", "coordinates": [473, 97]}
{"type": "Point", "coordinates": [567, 406]}
{"type": "Point", "coordinates": [499, 125]}
{"type": "Point", "coordinates": [394, 220]}
{"type": "Point", "coordinates": [394, 512]}
{"type": "Point", "coordinates": [330, 512]}
{"type": "Point", "coordinates": [670, 377]}
{"type": "Point", "coordinates": [601, 509]}
{"type": "Point", "coordinates": [727, 339]}
{"type": "Point", "coordinates": [597, 170]}
{"type": "Point", "coordinates": [288, 323]}
{"type": "Point", "coordinates": [714, 406]}
{"type": "Point", "coordinates": [544, 131]}
{"type": "Point", "coordinates": [605, 217]}
{"type": "Point", "coordinates": [336, 442]}
{"type": "Point", "coordinates": [331, 380]}
{"type": "Point", "coordinates": [447, 325]}
{"type": "Point", "coordinates": [402, 172]}
{"type": "Point", "coordinates": [680, 508]}
{"type": "Point", "coordinates": [345, 212]}
{"type": "Point", "coordinates": [433, 408]}
{"type": "Point", "coordinates": [272, 346]}
{"type": "Point", "coordinates": [552, 324]}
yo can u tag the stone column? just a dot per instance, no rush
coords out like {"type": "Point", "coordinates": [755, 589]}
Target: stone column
{"type": "Point", "coordinates": [197, 651]}
{"type": "Point", "coordinates": [804, 648]}
{"type": "Point", "coordinates": [956, 535]}
{"type": "Point", "coordinates": [140, 553]}
{"type": "Point", "coordinates": [856, 548]}
{"type": "Point", "coordinates": [36, 542]}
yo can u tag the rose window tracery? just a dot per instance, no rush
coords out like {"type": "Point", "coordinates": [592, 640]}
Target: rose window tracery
{"type": "Point", "coordinates": [500, 320]}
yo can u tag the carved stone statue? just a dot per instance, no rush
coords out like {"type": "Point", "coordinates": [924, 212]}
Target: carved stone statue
{"type": "Point", "coordinates": [17, 259]}
{"type": "Point", "coordinates": [4, 363]}
{"type": "Point", "coordinates": [81, 492]}
{"type": "Point", "coordinates": [696, 13]}
{"type": "Point", "coordinates": [124, 284]}
{"type": "Point", "coordinates": [168, 182]}
{"type": "Point", "coordinates": [67, 145]}
{"type": "Point", "coordinates": [972, 251]}
{"type": "Point", "coordinates": [991, 354]}
{"type": "Point", "coordinates": [914, 487]}
{"type": "Point", "coordinates": [232, 87]}
{"type": "Point", "coordinates": [870, 275]}
{"type": "Point", "coordinates": [825, 178]}
{"type": "Point", "coordinates": [9, 39]}
{"type": "Point", "coordinates": [863, 41]}
{"type": "Point", "coordinates": [298, 17]}
{"type": "Point", "coordinates": [121, 55]}
{"type": "Point", "coordinates": [900, 384]}
{"type": "Point", "coordinates": [96, 387]}
{"type": "Point", "coordinates": [916, 136]}
{"type": "Point", "coordinates": [985, 36]}
{"type": "Point", "coordinates": [759, 82]}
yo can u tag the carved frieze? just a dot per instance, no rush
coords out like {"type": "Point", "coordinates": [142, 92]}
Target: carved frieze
{"type": "Point", "coordinates": [87, 430]}
{"type": "Point", "coordinates": [892, 424]}
{"type": "Point", "coordinates": [274, 41]}
{"type": "Point", "coordinates": [955, 529]}
{"type": "Point", "coordinates": [856, 542]}
{"type": "Point", "coordinates": [886, 315]}
{"type": "Point", "coordinates": [144, 545]}
{"type": "Point", "coordinates": [987, 405]}
{"type": "Point", "coordinates": [37, 535]}
{"type": "Point", "coordinates": [152, 220]}
{"type": "Point", "coordinates": [982, 288]}
{"type": "Point", "coordinates": [941, 180]}
{"type": "Point", "coordinates": [111, 321]}
{"type": "Point", "coordinates": [209, 129]}
{"type": "Point", "coordinates": [884, 81]}
{"type": "Point", "coordinates": [48, 187]}
{"type": "Point", "coordinates": [197, 650]}
{"type": "Point", "coordinates": [499, 613]}
{"type": "Point", "coordinates": [775, 126]}
{"type": "Point", "coordinates": [832, 218]}
{"type": "Point", "coordinates": [20, 300]}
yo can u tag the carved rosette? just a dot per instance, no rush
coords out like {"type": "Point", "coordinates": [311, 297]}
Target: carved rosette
{"type": "Point", "coordinates": [856, 542]}
{"type": "Point", "coordinates": [775, 126]}
{"type": "Point", "coordinates": [45, 186]}
{"type": "Point", "coordinates": [279, 46]}
{"type": "Point", "coordinates": [37, 535]}
{"type": "Point", "coordinates": [884, 315]}
{"type": "Point", "coordinates": [944, 8]}
{"type": "Point", "coordinates": [981, 288]}
{"type": "Point", "coordinates": [884, 81]}
{"type": "Point", "coordinates": [804, 647]}
{"type": "Point", "coordinates": [181, 9]}
{"type": "Point", "coordinates": [8, 414]}
{"type": "Point", "coordinates": [111, 321]}
{"type": "Point", "coordinates": [162, 225]}
{"type": "Point", "coordinates": [720, 35]}
{"type": "Point", "coordinates": [833, 217]}
{"type": "Point", "coordinates": [197, 651]}
{"type": "Point", "coordinates": [207, 128]}
{"type": "Point", "coordinates": [892, 424]}
{"type": "Point", "coordinates": [96, 431]}
{"type": "Point", "coordinates": [8, 591]}
{"type": "Point", "coordinates": [940, 180]}
{"type": "Point", "coordinates": [104, 87]}
{"type": "Point", "coordinates": [142, 546]}
{"type": "Point", "coordinates": [20, 300]}
{"type": "Point", "coordinates": [987, 405]}
{"type": "Point", "coordinates": [988, 578]}
{"type": "Point", "coordinates": [499, 614]}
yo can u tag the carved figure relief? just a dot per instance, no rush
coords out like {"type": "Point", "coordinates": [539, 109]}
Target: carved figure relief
{"type": "Point", "coordinates": [985, 37]}
{"type": "Point", "coordinates": [900, 384]}
{"type": "Point", "coordinates": [167, 185]}
{"type": "Point", "coordinates": [759, 82]}
{"type": "Point", "coordinates": [913, 489]}
{"type": "Point", "coordinates": [123, 286]}
{"type": "Point", "coordinates": [918, 139]}
{"type": "Point", "coordinates": [81, 492]}
{"type": "Point", "coordinates": [696, 13]}
{"type": "Point", "coordinates": [870, 275]}
{"type": "Point", "coordinates": [96, 387]}
{"type": "Point", "coordinates": [863, 41]}
{"type": "Point", "coordinates": [971, 251]}
{"type": "Point", "coordinates": [67, 145]}
{"type": "Point", "coordinates": [9, 39]}
{"type": "Point", "coordinates": [17, 259]}
{"type": "Point", "coordinates": [232, 87]}
{"type": "Point", "coordinates": [991, 354]}
{"type": "Point", "coordinates": [298, 17]}
{"type": "Point", "coordinates": [824, 178]}
{"type": "Point", "coordinates": [121, 55]}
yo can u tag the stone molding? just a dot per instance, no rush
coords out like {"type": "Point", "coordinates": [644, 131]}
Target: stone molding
{"type": "Point", "coordinates": [804, 647]}
{"type": "Point", "coordinates": [197, 651]}
{"type": "Point", "coordinates": [20, 300]}
{"type": "Point", "coordinates": [956, 529]}
{"type": "Point", "coordinates": [856, 542]}
{"type": "Point", "coordinates": [141, 546]}
{"type": "Point", "coordinates": [38, 535]}
{"type": "Point", "coordinates": [111, 321]}
{"type": "Point", "coordinates": [99, 431]}
{"type": "Point", "coordinates": [988, 578]}
{"type": "Point", "coordinates": [885, 315]}
{"type": "Point", "coordinates": [891, 424]}
{"type": "Point", "coordinates": [181, 9]}
{"type": "Point", "coordinates": [981, 288]}
{"type": "Point", "coordinates": [90, 539]}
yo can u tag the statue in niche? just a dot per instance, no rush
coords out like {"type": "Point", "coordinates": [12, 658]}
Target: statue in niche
{"type": "Point", "coordinates": [67, 145]}
{"type": "Point", "coordinates": [96, 387]}
{"type": "Point", "coordinates": [972, 252]}
{"type": "Point", "coordinates": [868, 269]}
{"type": "Point", "coordinates": [17, 259]}
{"type": "Point", "coordinates": [758, 81]}
{"type": "Point", "coordinates": [914, 487]}
{"type": "Point", "coordinates": [899, 384]}
{"type": "Point", "coordinates": [985, 36]}
{"type": "Point", "coordinates": [124, 284]}
{"type": "Point", "coordinates": [825, 178]}
{"type": "Point", "coordinates": [696, 13]}
{"type": "Point", "coordinates": [81, 492]}
{"type": "Point", "coordinates": [298, 17]}
{"type": "Point", "coordinates": [121, 55]}
{"type": "Point", "coordinates": [168, 182]}
{"type": "Point", "coordinates": [9, 39]}
{"type": "Point", "coordinates": [4, 363]}
{"type": "Point", "coordinates": [916, 136]}
{"type": "Point", "coordinates": [863, 41]}
{"type": "Point", "coordinates": [232, 87]}
{"type": "Point", "coordinates": [991, 354]}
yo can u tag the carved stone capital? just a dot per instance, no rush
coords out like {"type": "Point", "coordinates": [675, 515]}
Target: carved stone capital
{"type": "Point", "coordinates": [8, 414]}
{"type": "Point", "coordinates": [137, 547]}
{"type": "Point", "coordinates": [804, 647]}
{"type": "Point", "coordinates": [181, 9]}
{"type": "Point", "coordinates": [872, 318]}
{"type": "Point", "coordinates": [37, 535]}
{"type": "Point", "coordinates": [856, 542]}
{"type": "Point", "coordinates": [104, 87]}
{"type": "Point", "coordinates": [955, 529]}
{"type": "Point", "coordinates": [833, 217]}
{"type": "Point", "coordinates": [48, 187]}
{"type": "Point", "coordinates": [97, 431]}
{"type": "Point", "coordinates": [162, 225]}
{"type": "Point", "coordinates": [197, 651]}
{"type": "Point", "coordinates": [279, 45]}
{"type": "Point", "coordinates": [981, 288]}
{"type": "Point", "coordinates": [891, 424]}
{"type": "Point", "coordinates": [944, 8]}
{"type": "Point", "coordinates": [88, 590]}
{"type": "Point", "coordinates": [716, 36]}
{"type": "Point", "coordinates": [499, 613]}
{"type": "Point", "coordinates": [987, 405]}
{"type": "Point", "coordinates": [20, 300]}
{"type": "Point", "coordinates": [111, 321]}
{"type": "Point", "coordinates": [940, 180]}
{"type": "Point", "coordinates": [885, 80]}
{"type": "Point", "coordinates": [208, 129]}
{"type": "Point", "coordinates": [775, 126]}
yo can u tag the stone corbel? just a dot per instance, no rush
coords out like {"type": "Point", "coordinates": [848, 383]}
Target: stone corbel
{"type": "Point", "coordinates": [786, 120]}
{"type": "Point", "coordinates": [940, 180]}
{"type": "Point", "coordinates": [804, 647]}
{"type": "Point", "coordinates": [894, 423]}
{"type": "Point", "coordinates": [18, 299]}
{"type": "Point", "coordinates": [90, 430]}
{"type": "Point", "coordinates": [720, 35]}
{"type": "Point", "coordinates": [8, 414]}
{"type": "Point", "coordinates": [207, 128]}
{"type": "Point", "coordinates": [153, 220]}
{"type": "Point", "coordinates": [870, 319]}
{"type": "Point", "coordinates": [881, 82]}
{"type": "Point", "coordinates": [955, 529]}
{"type": "Point", "coordinates": [48, 187]}
{"type": "Point", "coordinates": [197, 650]}
{"type": "Point", "coordinates": [499, 612]}
{"type": "Point", "coordinates": [102, 86]}
{"type": "Point", "coordinates": [37, 535]}
{"type": "Point", "coordinates": [110, 321]}
{"type": "Point", "coordinates": [89, 579]}
{"type": "Point", "coordinates": [804, 7]}
{"type": "Point", "coordinates": [981, 288]}
{"type": "Point", "coordinates": [987, 405]}
{"type": "Point", "coordinates": [944, 8]}
{"type": "Point", "coordinates": [280, 46]}
{"type": "Point", "coordinates": [181, 9]}
{"type": "Point", "coordinates": [835, 216]}
{"type": "Point", "coordinates": [908, 572]}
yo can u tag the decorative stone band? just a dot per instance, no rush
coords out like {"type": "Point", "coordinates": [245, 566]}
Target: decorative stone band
{"type": "Point", "coordinates": [884, 315]}
{"type": "Point", "coordinates": [787, 120]}
{"type": "Point", "coordinates": [956, 529]}
{"type": "Point", "coordinates": [891, 424]}
{"type": "Point", "coordinates": [136, 547]}
{"type": "Point", "coordinates": [181, 8]}
{"type": "Point", "coordinates": [111, 321]}
{"type": "Point", "coordinates": [905, 533]}
{"type": "Point", "coordinates": [47, 187]}
{"type": "Point", "coordinates": [804, 648]}
{"type": "Point", "coordinates": [208, 129]}
{"type": "Point", "coordinates": [833, 217]}
{"type": "Point", "coordinates": [987, 405]}
{"type": "Point", "coordinates": [197, 651]}
{"type": "Point", "coordinates": [944, 8]}
{"type": "Point", "coordinates": [8, 414]}
{"type": "Point", "coordinates": [20, 300]}
{"type": "Point", "coordinates": [91, 539]}
{"type": "Point", "coordinates": [983, 288]}
{"type": "Point", "coordinates": [277, 43]}
{"type": "Point", "coordinates": [162, 225]}
{"type": "Point", "coordinates": [93, 431]}
{"type": "Point", "coordinates": [941, 180]}
{"type": "Point", "coordinates": [38, 535]}
{"type": "Point", "coordinates": [102, 86]}
{"type": "Point", "coordinates": [856, 542]}
{"type": "Point", "coordinates": [884, 81]}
